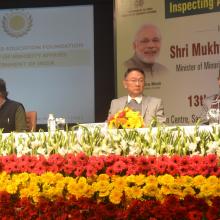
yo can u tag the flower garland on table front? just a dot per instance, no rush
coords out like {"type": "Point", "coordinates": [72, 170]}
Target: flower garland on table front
{"type": "Point", "coordinates": [83, 165]}
{"type": "Point", "coordinates": [114, 189]}
{"type": "Point", "coordinates": [126, 118]}
{"type": "Point", "coordinates": [101, 141]}
{"type": "Point", "coordinates": [190, 208]}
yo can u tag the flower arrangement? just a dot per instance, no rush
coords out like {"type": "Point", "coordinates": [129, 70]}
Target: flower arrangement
{"type": "Point", "coordinates": [112, 189]}
{"type": "Point", "coordinates": [162, 173]}
{"type": "Point", "coordinates": [126, 118]}
{"type": "Point", "coordinates": [190, 208]}
{"type": "Point", "coordinates": [150, 141]}
{"type": "Point", "coordinates": [77, 165]}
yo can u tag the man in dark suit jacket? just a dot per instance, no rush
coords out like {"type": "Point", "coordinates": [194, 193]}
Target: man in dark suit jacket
{"type": "Point", "coordinates": [12, 114]}
{"type": "Point", "coordinates": [149, 107]}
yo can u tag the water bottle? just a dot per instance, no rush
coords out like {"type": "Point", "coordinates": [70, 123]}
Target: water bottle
{"type": "Point", "coordinates": [51, 123]}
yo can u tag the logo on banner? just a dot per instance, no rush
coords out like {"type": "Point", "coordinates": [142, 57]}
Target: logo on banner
{"type": "Point", "coordinates": [134, 8]}
{"type": "Point", "coordinates": [17, 23]}
{"type": "Point", "coordinates": [139, 3]}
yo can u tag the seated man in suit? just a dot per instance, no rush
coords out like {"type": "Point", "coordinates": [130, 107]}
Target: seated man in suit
{"type": "Point", "coordinates": [12, 114]}
{"type": "Point", "coordinates": [149, 107]}
{"type": "Point", "coordinates": [211, 108]}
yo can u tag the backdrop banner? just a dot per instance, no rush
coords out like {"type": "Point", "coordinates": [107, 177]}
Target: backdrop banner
{"type": "Point", "coordinates": [177, 44]}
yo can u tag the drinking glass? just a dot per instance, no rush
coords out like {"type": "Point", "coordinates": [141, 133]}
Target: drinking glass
{"type": "Point", "coordinates": [60, 123]}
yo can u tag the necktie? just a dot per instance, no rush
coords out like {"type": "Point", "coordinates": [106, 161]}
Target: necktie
{"type": "Point", "coordinates": [134, 105]}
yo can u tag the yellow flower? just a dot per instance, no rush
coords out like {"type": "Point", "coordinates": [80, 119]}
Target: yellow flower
{"type": "Point", "coordinates": [115, 196]}
{"type": "Point", "coordinates": [198, 181]}
{"type": "Point", "coordinates": [166, 179]}
{"type": "Point", "coordinates": [151, 180]}
{"type": "Point", "coordinates": [131, 179]}
{"type": "Point", "coordinates": [128, 193]}
{"type": "Point", "coordinates": [4, 181]}
{"type": "Point", "coordinates": [103, 177]}
{"type": "Point", "coordinates": [150, 190]}
{"type": "Point", "coordinates": [165, 190]}
{"type": "Point", "coordinates": [32, 191]}
{"type": "Point", "coordinates": [206, 190]}
{"type": "Point", "coordinates": [119, 182]}
{"type": "Point", "coordinates": [175, 189]}
{"type": "Point", "coordinates": [136, 192]}
{"type": "Point", "coordinates": [126, 118]}
{"type": "Point", "coordinates": [12, 188]}
{"type": "Point", "coordinates": [140, 179]}
{"type": "Point", "coordinates": [212, 180]}
{"type": "Point", "coordinates": [217, 190]}
{"type": "Point", "coordinates": [188, 191]}
{"type": "Point", "coordinates": [186, 181]}
{"type": "Point", "coordinates": [103, 187]}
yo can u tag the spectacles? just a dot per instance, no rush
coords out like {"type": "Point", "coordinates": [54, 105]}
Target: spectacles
{"type": "Point", "coordinates": [136, 81]}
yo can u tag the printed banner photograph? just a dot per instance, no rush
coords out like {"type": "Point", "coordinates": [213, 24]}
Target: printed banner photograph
{"type": "Point", "coordinates": [177, 46]}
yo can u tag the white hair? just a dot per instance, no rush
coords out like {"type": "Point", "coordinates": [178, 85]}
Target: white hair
{"type": "Point", "coordinates": [146, 26]}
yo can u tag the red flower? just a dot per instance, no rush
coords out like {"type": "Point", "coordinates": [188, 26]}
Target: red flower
{"type": "Point", "coordinates": [82, 158]}
{"type": "Point", "coordinates": [97, 162]}
{"type": "Point", "coordinates": [79, 171]}
{"type": "Point", "coordinates": [195, 160]}
{"type": "Point", "coordinates": [121, 114]}
{"type": "Point", "coordinates": [56, 159]}
{"type": "Point", "coordinates": [172, 169]}
{"type": "Point", "coordinates": [143, 163]}
{"type": "Point", "coordinates": [211, 160]}
{"type": "Point", "coordinates": [68, 168]}
{"type": "Point", "coordinates": [90, 170]}
{"type": "Point", "coordinates": [204, 169]}
{"type": "Point", "coordinates": [161, 167]}
{"type": "Point", "coordinates": [110, 171]}
{"type": "Point", "coordinates": [152, 160]}
{"type": "Point", "coordinates": [39, 168]}
{"type": "Point", "coordinates": [132, 170]}
{"type": "Point", "coordinates": [213, 213]}
{"type": "Point", "coordinates": [119, 167]}
{"type": "Point", "coordinates": [184, 161]}
{"type": "Point", "coordinates": [53, 168]}
{"type": "Point", "coordinates": [195, 215]}
{"type": "Point", "coordinates": [176, 159]}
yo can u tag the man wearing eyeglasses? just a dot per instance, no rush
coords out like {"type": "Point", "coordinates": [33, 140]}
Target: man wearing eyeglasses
{"type": "Point", "coordinates": [149, 107]}
{"type": "Point", "coordinates": [146, 46]}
